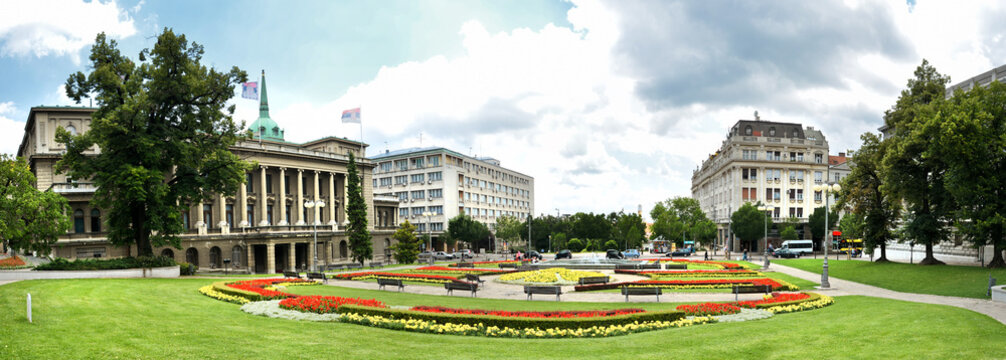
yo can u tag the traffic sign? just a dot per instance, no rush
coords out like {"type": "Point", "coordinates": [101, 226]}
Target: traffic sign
{"type": "Point", "coordinates": [836, 233]}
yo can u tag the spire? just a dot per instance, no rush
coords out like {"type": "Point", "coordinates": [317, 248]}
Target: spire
{"type": "Point", "coordinates": [263, 107]}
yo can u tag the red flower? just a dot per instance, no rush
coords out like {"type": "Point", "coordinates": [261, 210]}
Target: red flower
{"type": "Point", "coordinates": [325, 304]}
{"type": "Point", "coordinates": [709, 309]}
{"type": "Point", "coordinates": [528, 314]}
{"type": "Point", "coordinates": [257, 286]}
{"type": "Point", "coordinates": [12, 262]}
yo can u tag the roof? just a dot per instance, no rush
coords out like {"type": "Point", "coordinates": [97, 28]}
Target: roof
{"type": "Point", "coordinates": [768, 128]}
{"type": "Point", "coordinates": [265, 127]}
{"type": "Point", "coordinates": [410, 151]}
{"type": "Point", "coordinates": [836, 160]}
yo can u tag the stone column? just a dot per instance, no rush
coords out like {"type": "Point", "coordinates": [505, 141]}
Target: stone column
{"type": "Point", "coordinates": [200, 225]}
{"type": "Point", "coordinates": [262, 200]}
{"type": "Point", "coordinates": [298, 200]}
{"type": "Point", "coordinates": [282, 197]}
{"type": "Point", "coordinates": [224, 226]}
{"type": "Point", "coordinates": [250, 259]}
{"type": "Point", "coordinates": [270, 258]}
{"type": "Point", "coordinates": [331, 200]}
{"type": "Point", "coordinates": [293, 257]}
{"type": "Point", "coordinates": [317, 196]}
{"type": "Point", "coordinates": [242, 206]}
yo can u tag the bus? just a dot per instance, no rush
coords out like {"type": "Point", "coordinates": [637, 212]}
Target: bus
{"type": "Point", "coordinates": [853, 247]}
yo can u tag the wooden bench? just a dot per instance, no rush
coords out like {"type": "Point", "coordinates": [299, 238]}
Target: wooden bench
{"type": "Point", "coordinates": [460, 285]}
{"type": "Point", "coordinates": [641, 291]}
{"type": "Point", "coordinates": [543, 290]}
{"type": "Point", "coordinates": [382, 282]}
{"type": "Point", "coordinates": [354, 266]}
{"type": "Point", "coordinates": [655, 266]}
{"type": "Point", "coordinates": [627, 267]}
{"type": "Point", "coordinates": [474, 278]}
{"type": "Point", "coordinates": [317, 276]}
{"type": "Point", "coordinates": [750, 289]}
{"type": "Point", "coordinates": [462, 264]}
{"type": "Point", "coordinates": [376, 264]}
{"type": "Point", "coordinates": [508, 265]}
{"type": "Point", "coordinates": [291, 274]}
{"type": "Point", "coordinates": [669, 266]}
{"type": "Point", "coordinates": [593, 280]}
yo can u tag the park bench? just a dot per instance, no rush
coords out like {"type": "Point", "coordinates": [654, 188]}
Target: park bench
{"type": "Point", "coordinates": [654, 266]}
{"type": "Point", "coordinates": [291, 274]}
{"type": "Point", "coordinates": [543, 290]}
{"type": "Point", "coordinates": [508, 265]}
{"type": "Point", "coordinates": [627, 267]}
{"type": "Point", "coordinates": [382, 282]}
{"type": "Point", "coordinates": [462, 264]}
{"type": "Point", "coordinates": [376, 264]}
{"type": "Point", "coordinates": [750, 289]}
{"type": "Point", "coordinates": [593, 280]}
{"type": "Point", "coordinates": [641, 291]}
{"type": "Point", "coordinates": [317, 276]}
{"type": "Point", "coordinates": [460, 285]}
{"type": "Point", "coordinates": [335, 267]}
{"type": "Point", "coordinates": [670, 266]}
{"type": "Point", "coordinates": [474, 278]}
{"type": "Point", "coordinates": [354, 266]}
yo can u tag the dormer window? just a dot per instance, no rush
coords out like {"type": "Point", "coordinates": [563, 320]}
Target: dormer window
{"type": "Point", "coordinates": [771, 131]}
{"type": "Point", "coordinates": [796, 133]}
{"type": "Point", "coordinates": [747, 131]}
{"type": "Point", "coordinates": [71, 129]}
{"type": "Point", "coordinates": [275, 131]}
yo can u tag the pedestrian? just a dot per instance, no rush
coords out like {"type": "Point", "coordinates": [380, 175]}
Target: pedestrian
{"type": "Point", "coordinates": [745, 254]}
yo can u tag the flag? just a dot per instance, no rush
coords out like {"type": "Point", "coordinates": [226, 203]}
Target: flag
{"type": "Point", "coordinates": [351, 116]}
{"type": "Point", "coordinates": [249, 90]}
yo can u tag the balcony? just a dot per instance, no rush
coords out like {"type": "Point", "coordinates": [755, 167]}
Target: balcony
{"type": "Point", "coordinates": [73, 188]}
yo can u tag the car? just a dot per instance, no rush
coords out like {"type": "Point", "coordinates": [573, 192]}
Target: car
{"type": "Point", "coordinates": [631, 253]}
{"type": "Point", "coordinates": [785, 252]}
{"type": "Point", "coordinates": [614, 254]}
{"type": "Point", "coordinates": [532, 255]}
{"type": "Point", "coordinates": [424, 255]}
{"type": "Point", "coordinates": [680, 252]}
{"type": "Point", "coordinates": [563, 254]}
{"type": "Point", "coordinates": [463, 254]}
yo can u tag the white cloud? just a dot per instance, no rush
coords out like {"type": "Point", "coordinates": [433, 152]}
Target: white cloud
{"type": "Point", "coordinates": [10, 131]}
{"type": "Point", "coordinates": [59, 27]}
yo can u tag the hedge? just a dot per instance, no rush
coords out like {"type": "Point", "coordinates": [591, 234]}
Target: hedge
{"type": "Point", "coordinates": [108, 264]}
{"type": "Point", "coordinates": [514, 322]}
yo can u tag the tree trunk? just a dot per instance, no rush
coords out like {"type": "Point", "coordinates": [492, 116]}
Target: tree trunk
{"type": "Point", "coordinates": [140, 231]}
{"type": "Point", "coordinates": [930, 260]}
{"type": "Point", "coordinates": [997, 259]}
{"type": "Point", "coordinates": [883, 253]}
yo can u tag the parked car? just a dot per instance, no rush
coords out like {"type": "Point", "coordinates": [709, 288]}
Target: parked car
{"type": "Point", "coordinates": [613, 254]}
{"type": "Point", "coordinates": [785, 252]}
{"type": "Point", "coordinates": [563, 254]}
{"type": "Point", "coordinates": [424, 255]}
{"type": "Point", "coordinates": [440, 255]}
{"type": "Point", "coordinates": [680, 252]}
{"type": "Point", "coordinates": [532, 255]}
{"type": "Point", "coordinates": [631, 253]}
{"type": "Point", "coordinates": [463, 254]}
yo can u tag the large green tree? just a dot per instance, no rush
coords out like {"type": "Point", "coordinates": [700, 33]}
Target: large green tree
{"type": "Point", "coordinates": [666, 223]}
{"type": "Point", "coordinates": [590, 226]}
{"type": "Point", "coordinates": [465, 229]}
{"type": "Point", "coordinates": [683, 224]}
{"type": "Point", "coordinates": [863, 195]}
{"type": "Point", "coordinates": [816, 223]}
{"type": "Point", "coordinates": [407, 247]}
{"type": "Point", "coordinates": [356, 212]}
{"type": "Point", "coordinates": [30, 220]}
{"type": "Point", "coordinates": [749, 224]}
{"type": "Point", "coordinates": [973, 134]}
{"type": "Point", "coordinates": [916, 174]}
{"type": "Point", "coordinates": [509, 228]}
{"type": "Point", "coordinates": [629, 230]}
{"type": "Point", "coordinates": [164, 131]}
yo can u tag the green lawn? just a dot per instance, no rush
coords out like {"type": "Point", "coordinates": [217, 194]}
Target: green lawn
{"type": "Point", "coordinates": [168, 318]}
{"type": "Point", "coordinates": [963, 281]}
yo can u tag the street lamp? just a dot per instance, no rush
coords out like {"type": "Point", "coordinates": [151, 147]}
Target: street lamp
{"type": "Point", "coordinates": [429, 232]}
{"type": "Point", "coordinates": [310, 205]}
{"type": "Point", "coordinates": [826, 190]}
{"type": "Point", "coordinates": [766, 208]}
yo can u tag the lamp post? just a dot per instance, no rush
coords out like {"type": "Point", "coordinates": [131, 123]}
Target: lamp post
{"type": "Point", "coordinates": [826, 190]}
{"type": "Point", "coordinates": [310, 205]}
{"type": "Point", "coordinates": [429, 233]}
{"type": "Point", "coordinates": [766, 208]}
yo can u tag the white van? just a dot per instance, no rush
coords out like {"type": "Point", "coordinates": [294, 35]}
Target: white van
{"type": "Point", "coordinates": [802, 246]}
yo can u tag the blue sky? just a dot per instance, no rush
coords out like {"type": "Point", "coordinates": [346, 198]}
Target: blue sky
{"type": "Point", "coordinates": [607, 104]}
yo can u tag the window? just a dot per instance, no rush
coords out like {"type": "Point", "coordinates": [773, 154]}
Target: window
{"type": "Point", "coordinates": [286, 215]}
{"type": "Point", "coordinates": [818, 158]}
{"type": "Point", "coordinates": [749, 194]}
{"type": "Point", "coordinates": [775, 212]}
{"type": "Point", "coordinates": [439, 210]}
{"type": "Point", "coordinates": [817, 196]}
{"type": "Point", "coordinates": [773, 155]}
{"type": "Point", "coordinates": [771, 131]}
{"type": "Point", "coordinates": [418, 210]}
{"type": "Point", "coordinates": [71, 129]}
{"type": "Point", "coordinates": [286, 184]}
{"type": "Point", "coordinates": [747, 130]}
{"type": "Point", "coordinates": [776, 194]}
{"type": "Point", "coordinates": [817, 177]}
{"type": "Point", "coordinates": [268, 183]}
{"type": "Point", "coordinates": [401, 179]}
{"type": "Point", "coordinates": [403, 212]}
{"type": "Point", "coordinates": [208, 216]}
{"type": "Point", "coordinates": [799, 212]}
{"type": "Point", "coordinates": [185, 219]}
{"type": "Point", "coordinates": [402, 164]}
{"type": "Point", "coordinates": [437, 226]}
{"type": "Point", "coordinates": [796, 133]}
{"type": "Point", "coordinates": [95, 220]}
{"type": "Point", "coordinates": [749, 174]}
{"type": "Point", "coordinates": [436, 176]}
{"type": "Point", "coordinates": [419, 194]}
{"type": "Point", "coordinates": [268, 214]}
{"type": "Point", "coordinates": [402, 195]}
{"type": "Point", "coordinates": [386, 166]}
{"type": "Point", "coordinates": [248, 183]}
{"type": "Point", "coordinates": [750, 155]}
{"type": "Point", "coordinates": [792, 212]}
{"type": "Point", "coordinates": [78, 221]}
{"type": "Point", "coordinates": [792, 194]}
{"type": "Point", "coordinates": [838, 177]}
{"type": "Point", "coordinates": [418, 163]}
{"type": "Point", "coordinates": [250, 214]}
{"type": "Point", "coordinates": [436, 193]}
{"type": "Point", "coordinates": [386, 181]}
{"type": "Point", "coordinates": [229, 215]}
{"type": "Point", "coordinates": [799, 194]}
{"type": "Point", "coordinates": [418, 178]}
{"type": "Point", "coordinates": [434, 160]}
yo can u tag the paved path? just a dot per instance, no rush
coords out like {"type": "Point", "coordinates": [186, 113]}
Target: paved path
{"type": "Point", "coordinates": [844, 287]}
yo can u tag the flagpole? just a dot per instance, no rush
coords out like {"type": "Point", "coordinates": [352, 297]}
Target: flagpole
{"type": "Point", "coordinates": [360, 112]}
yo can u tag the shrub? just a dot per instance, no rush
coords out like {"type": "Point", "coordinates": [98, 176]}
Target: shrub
{"type": "Point", "coordinates": [574, 245]}
{"type": "Point", "coordinates": [108, 264]}
{"type": "Point", "coordinates": [611, 244]}
{"type": "Point", "coordinates": [187, 269]}
{"type": "Point", "coordinates": [514, 322]}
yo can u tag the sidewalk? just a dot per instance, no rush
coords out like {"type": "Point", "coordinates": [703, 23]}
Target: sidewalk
{"type": "Point", "coordinates": [844, 287]}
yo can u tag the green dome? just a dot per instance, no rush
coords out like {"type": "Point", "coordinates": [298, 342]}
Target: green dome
{"type": "Point", "coordinates": [265, 128]}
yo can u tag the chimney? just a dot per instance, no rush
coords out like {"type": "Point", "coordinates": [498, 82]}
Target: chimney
{"type": "Point", "coordinates": [841, 154]}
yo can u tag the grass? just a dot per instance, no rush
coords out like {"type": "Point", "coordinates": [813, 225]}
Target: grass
{"type": "Point", "coordinates": [168, 318]}
{"type": "Point", "coordinates": [963, 281]}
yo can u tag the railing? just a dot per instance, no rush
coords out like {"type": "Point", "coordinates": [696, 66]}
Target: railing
{"type": "Point", "coordinates": [73, 188]}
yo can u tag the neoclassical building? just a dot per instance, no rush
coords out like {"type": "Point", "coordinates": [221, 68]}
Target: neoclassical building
{"type": "Point", "coordinates": [264, 228]}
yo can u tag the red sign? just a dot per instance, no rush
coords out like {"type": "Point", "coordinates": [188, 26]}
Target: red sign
{"type": "Point", "coordinates": [836, 233]}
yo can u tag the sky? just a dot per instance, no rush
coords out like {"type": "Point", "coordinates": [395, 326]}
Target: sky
{"type": "Point", "coordinates": [609, 105]}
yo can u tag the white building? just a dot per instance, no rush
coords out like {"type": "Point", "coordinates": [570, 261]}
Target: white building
{"type": "Point", "coordinates": [447, 183]}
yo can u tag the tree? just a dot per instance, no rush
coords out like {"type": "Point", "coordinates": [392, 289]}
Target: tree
{"type": "Point", "coordinates": [816, 222]}
{"type": "Point", "coordinates": [705, 232]}
{"type": "Point", "coordinates": [164, 135]}
{"type": "Point", "coordinates": [684, 223]}
{"type": "Point", "coordinates": [749, 224]}
{"type": "Point", "coordinates": [509, 228]}
{"type": "Point", "coordinates": [463, 228]}
{"type": "Point", "coordinates": [559, 241]}
{"type": "Point", "coordinates": [666, 223]}
{"type": "Point", "coordinates": [852, 226]}
{"type": "Point", "coordinates": [611, 244]}
{"type": "Point", "coordinates": [356, 212]}
{"type": "Point", "coordinates": [972, 128]}
{"type": "Point", "coordinates": [862, 193]}
{"type": "Point", "coordinates": [575, 245]}
{"type": "Point", "coordinates": [628, 230]}
{"type": "Point", "coordinates": [916, 174]}
{"type": "Point", "coordinates": [407, 248]}
{"type": "Point", "coordinates": [789, 233]}
{"type": "Point", "coordinates": [590, 226]}
{"type": "Point", "coordinates": [30, 220]}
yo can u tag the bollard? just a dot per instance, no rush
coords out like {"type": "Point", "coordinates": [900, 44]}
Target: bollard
{"type": "Point", "coordinates": [992, 282]}
{"type": "Point", "coordinates": [29, 308]}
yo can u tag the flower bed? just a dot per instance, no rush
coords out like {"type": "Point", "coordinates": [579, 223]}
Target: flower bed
{"type": "Point", "coordinates": [655, 274]}
{"type": "Point", "coordinates": [369, 275]}
{"type": "Point", "coordinates": [13, 262]}
{"type": "Point", "coordinates": [528, 314]}
{"type": "Point", "coordinates": [487, 262]}
{"type": "Point", "coordinates": [547, 276]}
{"type": "Point", "coordinates": [480, 329]}
{"type": "Point", "coordinates": [440, 270]}
{"type": "Point", "coordinates": [324, 304]}
{"type": "Point", "coordinates": [721, 264]}
{"type": "Point", "coordinates": [707, 309]}
{"type": "Point", "coordinates": [253, 290]}
{"type": "Point", "coordinates": [692, 284]}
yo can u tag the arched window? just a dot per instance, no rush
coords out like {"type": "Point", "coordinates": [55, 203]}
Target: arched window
{"type": "Point", "coordinates": [215, 260]}
{"type": "Point", "coordinates": [78, 221]}
{"type": "Point", "coordinates": [168, 253]}
{"type": "Point", "coordinates": [747, 130]}
{"type": "Point", "coordinates": [343, 249]}
{"type": "Point", "coordinates": [237, 256]}
{"type": "Point", "coordinates": [192, 256]}
{"type": "Point", "coordinates": [771, 131]}
{"type": "Point", "coordinates": [275, 131]}
{"type": "Point", "coordinates": [71, 129]}
{"type": "Point", "coordinates": [95, 220]}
